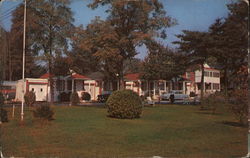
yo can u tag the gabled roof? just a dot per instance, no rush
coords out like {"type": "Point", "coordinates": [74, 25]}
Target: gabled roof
{"type": "Point", "coordinates": [47, 75]}
{"type": "Point", "coordinates": [78, 76]}
{"type": "Point", "coordinates": [132, 77]}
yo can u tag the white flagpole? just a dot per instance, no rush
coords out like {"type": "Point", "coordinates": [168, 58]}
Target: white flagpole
{"type": "Point", "coordinates": [24, 37]}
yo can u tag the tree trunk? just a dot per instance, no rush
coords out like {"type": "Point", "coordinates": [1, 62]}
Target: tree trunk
{"type": "Point", "coordinates": [51, 82]}
{"type": "Point", "coordinates": [121, 77]}
{"type": "Point", "coordinates": [225, 81]}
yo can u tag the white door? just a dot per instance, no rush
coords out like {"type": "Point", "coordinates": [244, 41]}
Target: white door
{"type": "Point", "coordinates": [40, 91]}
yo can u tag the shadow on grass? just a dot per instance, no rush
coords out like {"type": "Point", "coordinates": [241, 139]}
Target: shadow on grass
{"type": "Point", "coordinates": [207, 112]}
{"type": "Point", "coordinates": [234, 124]}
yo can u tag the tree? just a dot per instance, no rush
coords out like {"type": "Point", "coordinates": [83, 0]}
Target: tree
{"type": "Point", "coordinates": [196, 46]}
{"type": "Point", "coordinates": [82, 61]}
{"type": "Point", "coordinates": [48, 30]}
{"type": "Point", "coordinates": [229, 43]}
{"type": "Point", "coordinates": [163, 63]}
{"type": "Point", "coordinates": [133, 65]}
{"type": "Point", "coordinates": [129, 25]}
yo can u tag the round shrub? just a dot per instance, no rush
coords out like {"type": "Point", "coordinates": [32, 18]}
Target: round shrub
{"type": "Point", "coordinates": [124, 104]}
{"type": "Point", "coordinates": [74, 98]}
{"type": "Point", "coordinates": [86, 96]}
{"type": "Point", "coordinates": [3, 115]}
{"type": "Point", "coordinates": [64, 97]}
{"type": "Point", "coordinates": [44, 112]}
{"type": "Point", "coordinates": [30, 98]}
{"type": "Point", "coordinates": [1, 99]}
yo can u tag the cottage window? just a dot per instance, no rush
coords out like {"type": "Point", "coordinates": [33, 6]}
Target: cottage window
{"type": "Point", "coordinates": [216, 74]}
{"type": "Point", "coordinates": [211, 74]}
{"type": "Point", "coordinates": [161, 86]}
{"type": "Point", "coordinates": [206, 73]}
{"type": "Point", "coordinates": [216, 86]}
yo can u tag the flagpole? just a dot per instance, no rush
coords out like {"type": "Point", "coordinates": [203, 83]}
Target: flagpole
{"type": "Point", "coordinates": [24, 38]}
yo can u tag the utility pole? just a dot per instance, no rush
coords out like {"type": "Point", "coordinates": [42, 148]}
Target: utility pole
{"type": "Point", "coordinates": [24, 37]}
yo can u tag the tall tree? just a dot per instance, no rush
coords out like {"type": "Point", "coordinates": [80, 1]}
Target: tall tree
{"type": "Point", "coordinates": [196, 46]}
{"type": "Point", "coordinates": [163, 63]}
{"type": "Point", "coordinates": [82, 61]}
{"type": "Point", "coordinates": [230, 42]}
{"type": "Point", "coordinates": [130, 24]}
{"type": "Point", "coordinates": [49, 23]}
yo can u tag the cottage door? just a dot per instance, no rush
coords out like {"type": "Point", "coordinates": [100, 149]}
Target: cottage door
{"type": "Point", "coordinates": [40, 91]}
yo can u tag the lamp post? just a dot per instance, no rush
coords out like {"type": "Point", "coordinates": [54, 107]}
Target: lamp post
{"type": "Point", "coordinates": [24, 34]}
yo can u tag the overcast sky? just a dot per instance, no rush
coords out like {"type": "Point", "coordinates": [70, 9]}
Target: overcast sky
{"type": "Point", "coordinates": [190, 14]}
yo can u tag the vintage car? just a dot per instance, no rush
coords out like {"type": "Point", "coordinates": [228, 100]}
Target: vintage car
{"type": "Point", "coordinates": [178, 96]}
{"type": "Point", "coordinates": [102, 98]}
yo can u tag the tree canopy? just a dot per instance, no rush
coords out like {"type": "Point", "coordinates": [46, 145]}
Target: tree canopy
{"type": "Point", "coordinates": [129, 25]}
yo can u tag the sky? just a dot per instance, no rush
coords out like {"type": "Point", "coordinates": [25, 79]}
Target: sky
{"type": "Point", "coordinates": [193, 15]}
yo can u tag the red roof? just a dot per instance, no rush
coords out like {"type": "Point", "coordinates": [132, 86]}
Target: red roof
{"type": "Point", "coordinates": [78, 76]}
{"type": "Point", "coordinates": [132, 77]}
{"type": "Point", "coordinates": [47, 75]}
{"type": "Point", "coordinates": [208, 68]}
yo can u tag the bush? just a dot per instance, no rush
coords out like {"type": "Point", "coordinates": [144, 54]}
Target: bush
{"type": "Point", "coordinates": [74, 98]}
{"type": "Point", "coordinates": [44, 112]}
{"type": "Point", "coordinates": [64, 97]}
{"type": "Point", "coordinates": [124, 104]}
{"type": "Point", "coordinates": [30, 98]}
{"type": "Point", "coordinates": [4, 115]}
{"type": "Point", "coordinates": [3, 112]}
{"type": "Point", "coordinates": [238, 100]}
{"type": "Point", "coordinates": [86, 96]}
{"type": "Point", "coordinates": [214, 101]}
{"type": "Point", "coordinates": [1, 99]}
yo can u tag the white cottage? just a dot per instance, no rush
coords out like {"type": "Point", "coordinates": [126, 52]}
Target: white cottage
{"type": "Point", "coordinates": [39, 86]}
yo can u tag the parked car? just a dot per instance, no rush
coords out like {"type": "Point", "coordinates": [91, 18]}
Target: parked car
{"type": "Point", "coordinates": [178, 96]}
{"type": "Point", "coordinates": [102, 98]}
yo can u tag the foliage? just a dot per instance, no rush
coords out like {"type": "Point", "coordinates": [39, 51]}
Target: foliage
{"type": "Point", "coordinates": [30, 98]}
{"type": "Point", "coordinates": [44, 112]}
{"type": "Point", "coordinates": [64, 97]}
{"type": "Point", "coordinates": [230, 42]}
{"type": "Point", "coordinates": [130, 24]}
{"type": "Point", "coordinates": [74, 98]}
{"type": "Point", "coordinates": [3, 112]}
{"type": "Point", "coordinates": [238, 100]}
{"type": "Point", "coordinates": [214, 101]}
{"type": "Point", "coordinates": [124, 104]}
{"type": "Point", "coordinates": [48, 27]}
{"type": "Point", "coordinates": [3, 115]}
{"type": "Point", "coordinates": [1, 99]}
{"type": "Point", "coordinates": [162, 63]}
{"type": "Point", "coordinates": [86, 96]}
{"type": "Point", "coordinates": [196, 46]}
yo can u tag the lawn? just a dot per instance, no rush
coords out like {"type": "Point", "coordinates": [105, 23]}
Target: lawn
{"type": "Point", "coordinates": [164, 130]}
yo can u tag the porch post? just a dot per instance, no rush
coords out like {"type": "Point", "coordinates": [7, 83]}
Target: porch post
{"type": "Point", "coordinates": [89, 89]}
{"type": "Point", "coordinates": [72, 85]}
{"type": "Point", "coordinates": [139, 87]}
{"type": "Point", "coordinates": [148, 89]}
{"type": "Point", "coordinates": [165, 86]}
{"type": "Point", "coordinates": [154, 88]}
{"type": "Point", "coordinates": [118, 85]}
{"type": "Point", "coordinates": [183, 87]}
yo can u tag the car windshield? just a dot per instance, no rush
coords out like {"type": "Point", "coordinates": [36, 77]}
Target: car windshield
{"type": "Point", "coordinates": [106, 92]}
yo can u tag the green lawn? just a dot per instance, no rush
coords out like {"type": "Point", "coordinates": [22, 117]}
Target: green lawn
{"type": "Point", "coordinates": [164, 130]}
